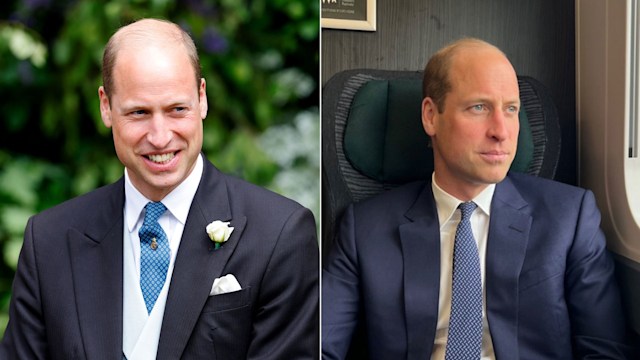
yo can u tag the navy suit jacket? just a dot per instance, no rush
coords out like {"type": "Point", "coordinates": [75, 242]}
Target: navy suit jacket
{"type": "Point", "coordinates": [550, 289]}
{"type": "Point", "coordinates": [67, 293]}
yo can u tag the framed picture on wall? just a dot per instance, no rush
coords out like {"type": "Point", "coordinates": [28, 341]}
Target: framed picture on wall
{"type": "Point", "coordinates": [349, 14]}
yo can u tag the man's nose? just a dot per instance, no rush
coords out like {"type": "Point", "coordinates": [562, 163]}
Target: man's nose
{"type": "Point", "coordinates": [498, 128]}
{"type": "Point", "coordinates": [160, 133]}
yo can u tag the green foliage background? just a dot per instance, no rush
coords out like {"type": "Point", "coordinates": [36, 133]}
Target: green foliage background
{"type": "Point", "coordinates": [260, 59]}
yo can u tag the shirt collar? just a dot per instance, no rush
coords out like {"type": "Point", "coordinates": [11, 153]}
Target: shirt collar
{"type": "Point", "coordinates": [447, 203]}
{"type": "Point", "coordinates": [178, 201]}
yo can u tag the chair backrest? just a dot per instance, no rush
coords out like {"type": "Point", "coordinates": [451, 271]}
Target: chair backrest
{"type": "Point", "coordinates": [373, 138]}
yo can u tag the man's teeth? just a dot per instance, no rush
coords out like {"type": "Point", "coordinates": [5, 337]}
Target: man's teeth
{"type": "Point", "coordinates": [161, 158]}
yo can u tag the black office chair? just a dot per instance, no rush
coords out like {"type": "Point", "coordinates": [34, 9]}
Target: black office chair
{"type": "Point", "coordinates": [373, 140]}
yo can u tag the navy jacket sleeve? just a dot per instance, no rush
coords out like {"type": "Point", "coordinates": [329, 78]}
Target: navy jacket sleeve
{"type": "Point", "coordinates": [340, 293]}
{"type": "Point", "coordinates": [596, 316]}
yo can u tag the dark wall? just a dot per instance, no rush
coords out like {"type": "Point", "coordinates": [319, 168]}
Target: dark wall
{"type": "Point", "coordinates": [537, 35]}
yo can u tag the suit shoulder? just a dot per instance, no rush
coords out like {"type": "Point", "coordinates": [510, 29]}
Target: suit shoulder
{"type": "Point", "coordinates": [536, 190]}
{"type": "Point", "coordinates": [401, 197]}
{"type": "Point", "coordinates": [78, 210]}
{"type": "Point", "coordinates": [541, 186]}
{"type": "Point", "coordinates": [255, 196]}
{"type": "Point", "coordinates": [271, 217]}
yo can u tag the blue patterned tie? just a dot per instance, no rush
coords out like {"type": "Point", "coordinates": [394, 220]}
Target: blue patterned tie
{"type": "Point", "coordinates": [465, 324]}
{"type": "Point", "coordinates": [154, 254]}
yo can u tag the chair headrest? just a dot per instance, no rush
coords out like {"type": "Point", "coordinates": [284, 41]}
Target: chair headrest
{"type": "Point", "coordinates": [384, 138]}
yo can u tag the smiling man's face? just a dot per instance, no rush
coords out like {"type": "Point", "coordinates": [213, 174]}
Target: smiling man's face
{"type": "Point", "coordinates": [155, 112]}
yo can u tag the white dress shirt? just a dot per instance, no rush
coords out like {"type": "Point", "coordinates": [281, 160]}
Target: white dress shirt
{"type": "Point", "coordinates": [449, 217]}
{"type": "Point", "coordinates": [141, 331]}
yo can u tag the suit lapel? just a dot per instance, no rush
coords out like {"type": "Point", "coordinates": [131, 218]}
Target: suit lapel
{"type": "Point", "coordinates": [506, 248]}
{"type": "Point", "coordinates": [420, 240]}
{"type": "Point", "coordinates": [197, 264]}
{"type": "Point", "coordinates": [96, 260]}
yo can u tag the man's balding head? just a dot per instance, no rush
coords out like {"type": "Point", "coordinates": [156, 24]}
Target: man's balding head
{"type": "Point", "coordinates": [436, 82]}
{"type": "Point", "coordinates": [146, 32]}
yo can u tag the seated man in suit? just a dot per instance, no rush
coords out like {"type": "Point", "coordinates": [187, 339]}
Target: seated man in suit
{"type": "Point", "coordinates": [175, 260]}
{"type": "Point", "coordinates": [475, 263]}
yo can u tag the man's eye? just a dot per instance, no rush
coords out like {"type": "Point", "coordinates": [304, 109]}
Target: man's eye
{"type": "Point", "coordinates": [513, 109]}
{"type": "Point", "coordinates": [478, 107]}
{"type": "Point", "coordinates": [138, 112]}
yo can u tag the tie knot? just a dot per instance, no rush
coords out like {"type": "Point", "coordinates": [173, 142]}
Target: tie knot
{"type": "Point", "coordinates": [467, 209]}
{"type": "Point", "coordinates": [153, 212]}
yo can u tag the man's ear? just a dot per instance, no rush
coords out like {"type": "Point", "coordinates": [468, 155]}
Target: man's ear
{"type": "Point", "coordinates": [204, 106]}
{"type": "Point", "coordinates": [105, 107]}
{"type": "Point", "coordinates": [429, 114]}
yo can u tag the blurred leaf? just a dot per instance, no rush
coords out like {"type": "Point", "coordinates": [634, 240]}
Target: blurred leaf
{"type": "Point", "coordinates": [18, 180]}
{"type": "Point", "coordinates": [4, 320]}
{"type": "Point", "coordinates": [11, 251]}
{"type": "Point", "coordinates": [242, 156]}
{"type": "Point", "coordinates": [14, 219]}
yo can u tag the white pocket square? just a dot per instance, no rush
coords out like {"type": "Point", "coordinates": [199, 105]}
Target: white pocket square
{"type": "Point", "coordinates": [225, 284]}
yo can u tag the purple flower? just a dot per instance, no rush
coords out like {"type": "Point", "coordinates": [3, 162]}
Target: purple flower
{"type": "Point", "coordinates": [25, 72]}
{"type": "Point", "coordinates": [213, 42]}
{"type": "Point", "coordinates": [200, 7]}
{"type": "Point", "coordinates": [35, 4]}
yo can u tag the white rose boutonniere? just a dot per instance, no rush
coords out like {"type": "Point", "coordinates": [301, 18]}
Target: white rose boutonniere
{"type": "Point", "coordinates": [219, 232]}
